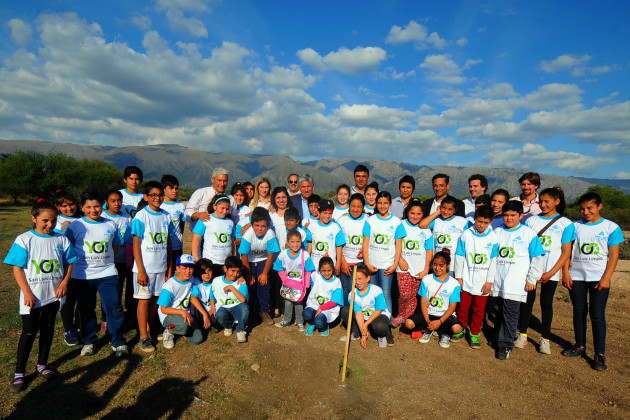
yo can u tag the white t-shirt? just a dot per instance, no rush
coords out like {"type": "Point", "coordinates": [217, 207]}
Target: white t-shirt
{"type": "Point", "coordinates": [339, 211]}
{"type": "Point", "coordinates": [325, 239]}
{"type": "Point", "coordinates": [446, 232]}
{"type": "Point", "coordinates": [175, 294]}
{"type": "Point", "coordinates": [293, 265]}
{"type": "Point", "coordinates": [353, 232]}
{"type": "Point", "coordinates": [415, 244]}
{"type": "Point", "coordinates": [223, 299]}
{"type": "Point", "coordinates": [43, 258]}
{"type": "Point", "coordinates": [322, 291]}
{"type": "Point", "coordinates": [590, 249]}
{"type": "Point", "coordinates": [60, 227]}
{"type": "Point", "coordinates": [257, 248]}
{"type": "Point", "coordinates": [176, 209]}
{"type": "Point", "coordinates": [130, 202]}
{"type": "Point", "coordinates": [382, 233]}
{"type": "Point", "coordinates": [153, 229]}
{"type": "Point", "coordinates": [439, 294]}
{"type": "Point", "coordinates": [561, 232]}
{"type": "Point", "coordinates": [202, 291]}
{"type": "Point", "coordinates": [123, 222]}
{"type": "Point", "coordinates": [93, 243]}
{"type": "Point", "coordinates": [478, 254]}
{"type": "Point", "coordinates": [370, 301]}
{"type": "Point", "coordinates": [281, 235]}
{"type": "Point", "coordinates": [217, 237]}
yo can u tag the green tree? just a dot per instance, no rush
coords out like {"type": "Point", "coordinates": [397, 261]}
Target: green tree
{"type": "Point", "coordinates": [20, 174]}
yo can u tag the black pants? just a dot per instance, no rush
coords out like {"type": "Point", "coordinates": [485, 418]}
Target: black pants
{"type": "Point", "coordinates": [380, 326]}
{"type": "Point", "coordinates": [507, 321]}
{"type": "Point", "coordinates": [40, 319]}
{"type": "Point", "coordinates": [69, 310]}
{"type": "Point", "coordinates": [595, 307]}
{"type": "Point", "coordinates": [121, 269]}
{"type": "Point", "coordinates": [547, 291]}
{"type": "Point", "coordinates": [445, 328]}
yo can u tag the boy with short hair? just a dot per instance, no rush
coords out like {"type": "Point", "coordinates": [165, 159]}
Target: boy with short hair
{"type": "Point", "coordinates": [324, 237]}
{"type": "Point", "coordinates": [475, 269]}
{"type": "Point", "coordinates": [313, 203]}
{"type": "Point", "coordinates": [151, 229]}
{"type": "Point", "coordinates": [445, 225]}
{"type": "Point", "coordinates": [132, 177]}
{"type": "Point", "coordinates": [228, 299]}
{"type": "Point", "coordinates": [406, 186]}
{"type": "Point", "coordinates": [257, 249]}
{"type": "Point", "coordinates": [175, 209]}
{"type": "Point", "coordinates": [520, 263]}
{"type": "Point", "coordinates": [178, 294]}
{"type": "Point", "coordinates": [292, 221]}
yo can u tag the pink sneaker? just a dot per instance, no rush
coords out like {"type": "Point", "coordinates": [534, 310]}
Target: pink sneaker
{"type": "Point", "coordinates": [397, 321]}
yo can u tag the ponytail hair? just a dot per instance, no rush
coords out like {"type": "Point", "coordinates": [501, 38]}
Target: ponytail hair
{"type": "Point", "coordinates": [556, 193]}
{"type": "Point", "coordinates": [444, 254]}
{"type": "Point", "coordinates": [42, 205]}
{"type": "Point", "coordinates": [414, 202]}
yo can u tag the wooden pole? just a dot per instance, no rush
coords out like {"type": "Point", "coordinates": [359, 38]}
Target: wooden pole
{"type": "Point", "coordinates": [349, 325]}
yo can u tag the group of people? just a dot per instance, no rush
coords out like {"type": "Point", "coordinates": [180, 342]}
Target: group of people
{"type": "Point", "coordinates": [260, 253]}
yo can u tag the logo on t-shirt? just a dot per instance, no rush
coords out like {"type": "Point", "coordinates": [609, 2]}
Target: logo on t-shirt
{"type": "Point", "coordinates": [589, 249]}
{"type": "Point", "coordinates": [46, 266]}
{"type": "Point", "coordinates": [321, 299]}
{"type": "Point", "coordinates": [478, 258]}
{"type": "Point", "coordinates": [222, 238]}
{"type": "Point", "coordinates": [545, 241]}
{"type": "Point", "coordinates": [355, 239]}
{"type": "Point", "coordinates": [321, 246]}
{"type": "Point", "coordinates": [411, 245]}
{"type": "Point", "coordinates": [97, 247]}
{"type": "Point", "coordinates": [506, 252]}
{"type": "Point", "coordinates": [381, 239]}
{"type": "Point", "coordinates": [444, 239]}
{"type": "Point", "coordinates": [158, 237]}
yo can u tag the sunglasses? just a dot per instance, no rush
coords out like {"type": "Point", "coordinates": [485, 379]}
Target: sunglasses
{"type": "Point", "coordinates": [292, 182]}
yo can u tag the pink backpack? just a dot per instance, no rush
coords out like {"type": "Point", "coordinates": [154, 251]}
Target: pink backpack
{"type": "Point", "coordinates": [294, 290]}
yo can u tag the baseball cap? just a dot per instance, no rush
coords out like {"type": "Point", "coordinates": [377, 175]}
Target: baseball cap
{"type": "Point", "coordinates": [185, 259]}
{"type": "Point", "coordinates": [325, 205]}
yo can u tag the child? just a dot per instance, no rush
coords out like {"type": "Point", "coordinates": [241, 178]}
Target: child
{"type": "Point", "coordinates": [113, 202]}
{"type": "Point", "coordinates": [497, 200]}
{"type": "Point", "coordinates": [445, 225]}
{"type": "Point", "coordinates": [415, 261]}
{"type": "Point", "coordinates": [594, 257]}
{"type": "Point", "coordinates": [382, 246]}
{"type": "Point", "coordinates": [240, 197]}
{"type": "Point", "coordinates": [294, 264]}
{"type": "Point", "coordinates": [352, 252]}
{"type": "Point", "coordinates": [313, 204]}
{"type": "Point", "coordinates": [371, 191]}
{"type": "Point", "coordinates": [217, 233]}
{"type": "Point", "coordinates": [482, 200]}
{"type": "Point", "coordinates": [132, 177]}
{"type": "Point", "coordinates": [370, 311]}
{"type": "Point", "coordinates": [475, 268]}
{"type": "Point", "coordinates": [175, 301]}
{"type": "Point", "coordinates": [439, 294]}
{"type": "Point", "coordinates": [42, 264]}
{"type": "Point", "coordinates": [96, 241]}
{"type": "Point", "coordinates": [257, 250]}
{"type": "Point", "coordinates": [556, 234]}
{"type": "Point", "coordinates": [324, 237]}
{"type": "Point", "coordinates": [175, 209]}
{"type": "Point", "coordinates": [202, 281]}
{"type": "Point", "coordinates": [325, 299]}
{"type": "Point", "coordinates": [343, 194]}
{"type": "Point", "coordinates": [66, 205]}
{"type": "Point", "coordinates": [228, 299]}
{"type": "Point", "coordinates": [249, 189]}
{"type": "Point", "coordinates": [151, 230]}
{"type": "Point", "coordinates": [292, 221]}
{"type": "Point", "coordinates": [520, 264]}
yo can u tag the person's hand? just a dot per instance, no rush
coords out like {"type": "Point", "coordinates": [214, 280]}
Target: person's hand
{"type": "Point", "coordinates": [364, 341]}
{"type": "Point", "coordinates": [460, 281]}
{"type": "Point", "coordinates": [364, 330]}
{"type": "Point", "coordinates": [206, 321]}
{"type": "Point", "coordinates": [337, 269]}
{"type": "Point", "coordinates": [319, 311]}
{"type": "Point", "coordinates": [390, 270]}
{"type": "Point", "coordinates": [372, 268]}
{"type": "Point", "coordinates": [403, 264]}
{"type": "Point", "coordinates": [142, 278]}
{"type": "Point", "coordinates": [345, 268]}
{"type": "Point", "coordinates": [545, 277]}
{"type": "Point", "coordinates": [567, 281]}
{"type": "Point", "coordinates": [530, 287]}
{"type": "Point", "coordinates": [227, 289]}
{"type": "Point", "coordinates": [434, 325]}
{"type": "Point", "coordinates": [421, 274]}
{"type": "Point", "coordinates": [486, 289]}
{"type": "Point", "coordinates": [29, 299]}
{"type": "Point", "coordinates": [204, 216]}
{"type": "Point", "coordinates": [262, 279]}
{"type": "Point", "coordinates": [240, 280]}
{"type": "Point", "coordinates": [187, 317]}
{"type": "Point", "coordinates": [61, 290]}
{"type": "Point", "coordinates": [602, 285]}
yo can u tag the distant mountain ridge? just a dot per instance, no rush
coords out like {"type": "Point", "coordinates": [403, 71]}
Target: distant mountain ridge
{"type": "Point", "coordinates": [193, 168]}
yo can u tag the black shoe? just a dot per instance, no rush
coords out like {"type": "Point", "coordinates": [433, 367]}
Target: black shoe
{"type": "Point", "coordinates": [600, 363]}
{"type": "Point", "coordinates": [18, 385]}
{"type": "Point", "coordinates": [503, 353]}
{"type": "Point", "coordinates": [390, 338]}
{"type": "Point", "coordinates": [575, 351]}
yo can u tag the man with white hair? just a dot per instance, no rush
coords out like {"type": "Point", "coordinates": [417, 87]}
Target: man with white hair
{"type": "Point", "coordinates": [300, 201]}
{"type": "Point", "coordinates": [197, 207]}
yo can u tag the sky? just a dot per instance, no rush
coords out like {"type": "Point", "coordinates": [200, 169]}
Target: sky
{"type": "Point", "coordinates": [534, 85]}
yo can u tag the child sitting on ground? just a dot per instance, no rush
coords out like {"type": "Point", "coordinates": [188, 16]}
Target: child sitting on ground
{"type": "Point", "coordinates": [228, 299]}
{"type": "Point", "coordinates": [325, 299]}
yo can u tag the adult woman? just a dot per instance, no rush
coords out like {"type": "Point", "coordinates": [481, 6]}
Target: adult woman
{"type": "Point", "coordinates": [262, 194]}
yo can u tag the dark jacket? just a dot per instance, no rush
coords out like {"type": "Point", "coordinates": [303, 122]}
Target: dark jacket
{"type": "Point", "coordinates": [459, 211]}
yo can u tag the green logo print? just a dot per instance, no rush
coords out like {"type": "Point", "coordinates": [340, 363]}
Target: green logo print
{"type": "Point", "coordinates": [46, 266]}
{"type": "Point", "coordinates": [229, 301]}
{"type": "Point", "coordinates": [184, 303]}
{"type": "Point", "coordinates": [443, 239]}
{"type": "Point", "coordinates": [478, 258]}
{"type": "Point", "coordinates": [222, 238]}
{"type": "Point", "coordinates": [545, 241]}
{"type": "Point", "coordinates": [411, 245]}
{"type": "Point", "coordinates": [321, 246]}
{"type": "Point", "coordinates": [437, 302]}
{"type": "Point", "coordinates": [506, 252]}
{"type": "Point", "coordinates": [321, 299]}
{"type": "Point", "coordinates": [158, 237]}
{"type": "Point", "coordinates": [355, 239]}
{"type": "Point", "coordinates": [97, 247]}
{"type": "Point", "coordinates": [589, 249]}
{"type": "Point", "coordinates": [381, 239]}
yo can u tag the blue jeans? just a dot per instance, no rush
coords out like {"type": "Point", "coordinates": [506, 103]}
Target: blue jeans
{"type": "Point", "coordinates": [107, 288]}
{"type": "Point", "coordinates": [321, 322]}
{"type": "Point", "coordinates": [262, 294]}
{"type": "Point", "coordinates": [227, 316]}
{"type": "Point", "coordinates": [596, 308]}
{"type": "Point", "coordinates": [346, 285]}
{"type": "Point", "coordinates": [384, 282]}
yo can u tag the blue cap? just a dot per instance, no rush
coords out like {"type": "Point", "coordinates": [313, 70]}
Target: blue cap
{"type": "Point", "coordinates": [185, 259]}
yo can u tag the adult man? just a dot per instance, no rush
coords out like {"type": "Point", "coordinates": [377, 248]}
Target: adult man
{"type": "Point", "coordinates": [441, 185]}
{"type": "Point", "coordinates": [300, 201]}
{"type": "Point", "coordinates": [197, 207]}
{"type": "Point", "coordinates": [530, 182]}
{"type": "Point", "coordinates": [477, 185]}
{"type": "Point", "coordinates": [361, 176]}
{"type": "Point", "coordinates": [406, 186]}
{"type": "Point", "coordinates": [292, 184]}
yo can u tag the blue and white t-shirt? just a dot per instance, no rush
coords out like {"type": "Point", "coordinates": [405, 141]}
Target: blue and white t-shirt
{"type": "Point", "coordinates": [130, 202]}
{"type": "Point", "coordinates": [93, 243]}
{"type": "Point", "coordinates": [281, 235]}
{"type": "Point", "coordinates": [176, 210]}
{"type": "Point", "coordinates": [561, 232]}
{"type": "Point", "coordinates": [322, 291]}
{"type": "Point", "coordinates": [175, 294]}
{"type": "Point", "coordinates": [43, 258]}
{"type": "Point", "coordinates": [217, 237]}
{"type": "Point", "coordinates": [590, 248]}
{"type": "Point", "coordinates": [382, 233]}
{"type": "Point", "coordinates": [446, 232]}
{"type": "Point", "coordinates": [154, 229]}
{"type": "Point", "coordinates": [368, 302]}
{"type": "Point", "coordinates": [202, 291]}
{"type": "Point", "coordinates": [415, 244]}
{"type": "Point", "coordinates": [223, 299]}
{"type": "Point", "coordinates": [439, 294]}
{"type": "Point", "coordinates": [293, 265]}
{"type": "Point", "coordinates": [257, 249]}
{"type": "Point", "coordinates": [476, 253]}
{"type": "Point", "coordinates": [340, 211]}
{"type": "Point", "coordinates": [325, 240]}
{"type": "Point", "coordinates": [353, 232]}
{"type": "Point", "coordinates": [123, 222]}
{"type": "Point", "coordinates": [60, 227]}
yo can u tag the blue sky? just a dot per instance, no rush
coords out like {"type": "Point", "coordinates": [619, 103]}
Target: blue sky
{"type": "Point", "coordinates": [532, 85]}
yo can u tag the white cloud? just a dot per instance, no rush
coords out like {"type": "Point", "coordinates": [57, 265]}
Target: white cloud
{"type": "Point", "coordinates": [577, 65]}
{"type": "Point", "coordinates": [374, 116]}
{"type": "Point", "coordinates": [338, 98]}
{"type": "Point", "coordinates": [20, 31]}
{"type": "Point", "coordinates": [141, 22]}
{"type": "Point", "coordinates": [358, 61]}
{"type": "Point", "coordinates": [442, 68]}
{"type": "Point", "coordinates": [175, 10]}
{"type": "Point", "coordinates": [462, 42]}
{"type": "Point", "coordinates": [416, 33]}
{"type": "Point", "coordinates": [622, 175]}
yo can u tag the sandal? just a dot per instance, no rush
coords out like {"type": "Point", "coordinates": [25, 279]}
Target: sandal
{"type": "Point", "coordinates": [47, 373]}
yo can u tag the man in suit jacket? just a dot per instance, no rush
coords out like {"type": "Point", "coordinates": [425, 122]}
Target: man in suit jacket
{"type": "Point", "coordinates": [300, 201]}
{"type": "Point", "coordinates": [441, 185]}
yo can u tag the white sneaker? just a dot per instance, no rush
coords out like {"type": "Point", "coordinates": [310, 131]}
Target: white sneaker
{"type": "Point", "coordinates": [227, 332]}
{"type": "Point", "coordinates": [168, 340]}
{"type": "Point", "coordinates": [521, 341]}
{"type": "Point", "coordinates": [241, 336]}
{"type": "Point", "coordinates": [301, 327]}
{"type": "Point", "coordinates": [120, 350]}
{"type": "Point", "coordinates": [445, 341]}
{"type": "Point", "coordinates": [545, 347]}
{"type": "Point", "coordinates": [426, 336]}
{"type": "Point", "coordinates": [87, 350]}
{"type": "Point", "coordinates": [283, 324]}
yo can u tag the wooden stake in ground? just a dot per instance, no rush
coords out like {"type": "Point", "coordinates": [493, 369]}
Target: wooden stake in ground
{"type": "Point", "coordinates": [349, 325]}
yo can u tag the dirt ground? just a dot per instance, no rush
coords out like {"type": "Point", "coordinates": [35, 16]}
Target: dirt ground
{"type": "Point", "coordinates": [281, 373]}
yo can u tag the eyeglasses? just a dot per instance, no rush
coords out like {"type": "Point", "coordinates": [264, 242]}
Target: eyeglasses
{"type": "Point", "coordinates": [292, 182]}
{"type": "Point", "coordinates": [154, 195]}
